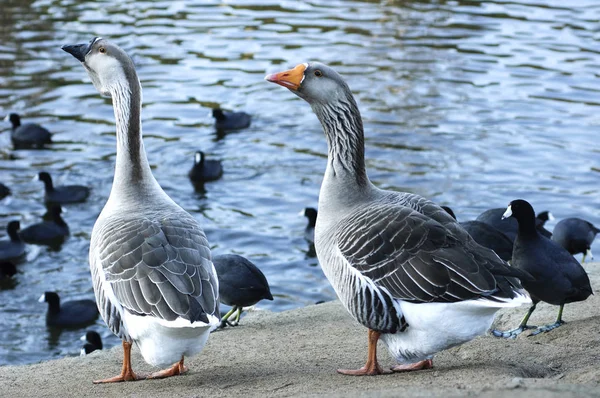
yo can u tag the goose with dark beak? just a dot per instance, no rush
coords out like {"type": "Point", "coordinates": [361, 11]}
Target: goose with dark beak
{"type": "Point", "coordinates": [154, 280]}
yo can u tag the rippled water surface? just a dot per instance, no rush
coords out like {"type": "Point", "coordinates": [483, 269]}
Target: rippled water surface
{"type": "Point", "coordinates": [470, 104]}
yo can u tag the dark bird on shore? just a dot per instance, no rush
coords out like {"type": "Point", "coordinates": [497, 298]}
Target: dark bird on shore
{"type": "Point", "coordinates": [205, 170]}
{"type": "Point", "coordinates": [51, 232]}
{"type": "Point", "coordinates": [241, 284]}
{"type": "Point", "coordinates": [487, 236]}
{"type": "Point", "coordinates": [62, 194]}
{"type": "Point", "coordinates": [13, 248]}
{"type": "Point", "coordinates": [576, 236]}
{"type": "Point", "coordinates": [69, 314]}
{"type": "Point", "coordinates": [509, 226]}
{"type": "Point", "coordinates": [93, 342]}
{"type": "Point", "coordinates": [558, 278]}
{"type": "Point", "coordinates": [226, 120]}
{"type": "Point", "coordinates": [400, 264]}
{"type": "Point", "coordinates": [29, 135]}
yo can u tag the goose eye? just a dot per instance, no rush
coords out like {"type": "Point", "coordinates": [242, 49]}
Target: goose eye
{"type": "Point", "coordinates": [102, 50]}
{"type": "Point", "coordinates": [318, 73]}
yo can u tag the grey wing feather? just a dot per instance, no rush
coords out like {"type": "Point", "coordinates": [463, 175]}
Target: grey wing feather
{"type": "Point", "coordinates": [160, 267]}
{"type": "Point", "coordinates": [418, 259]}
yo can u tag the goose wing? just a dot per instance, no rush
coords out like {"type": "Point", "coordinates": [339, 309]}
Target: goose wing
{"type": "Point", "coordinates": [160, 267]}
{"type": "Point", "coordinates": [418, 259]}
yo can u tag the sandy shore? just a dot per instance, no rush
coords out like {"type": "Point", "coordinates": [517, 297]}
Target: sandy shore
{"type": "Point", "coordinates": [296, 353]}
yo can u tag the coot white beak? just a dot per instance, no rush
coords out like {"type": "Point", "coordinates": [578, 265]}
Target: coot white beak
{"type": "Point", "coordinates": [551, 217]}
{"type": "Point", "coordinates": [82, 338]}
{"type": "Point", "coordinates": [6, 118]}
{"type": "Point", "coordinates": [507, 213]}
{"type": "Point", "coordinates": [42, 298]}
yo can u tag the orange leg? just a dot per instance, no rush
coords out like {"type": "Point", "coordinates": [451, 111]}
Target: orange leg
{"type": "Point", "coordinates": [175, 370]}
{"type": "Point", "coordinates": [425, 364]}
{"type": "Point", "coordinates": [126, 372]}
{"type": "Point", "coordinates": [372, 367]}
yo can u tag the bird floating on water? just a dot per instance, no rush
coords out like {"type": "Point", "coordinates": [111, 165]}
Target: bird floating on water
{"type": "Point", "coordinates": [62, 194]}
{"type": "Point", "coordinates": [151, 266]}
{"type": "Point", "coordinates": [28, 135]}
{"type": "Point", "coordinates": [400, 264]}
{"type": "Point", "coordinates": [227, 120]}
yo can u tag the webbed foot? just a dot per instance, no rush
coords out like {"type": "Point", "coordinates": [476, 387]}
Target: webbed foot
{"type": "Point", "coordinates": [425, 364]}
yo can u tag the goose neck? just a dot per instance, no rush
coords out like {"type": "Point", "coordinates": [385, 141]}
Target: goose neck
{"type": "Point", "coordinates": [132, 167]}
{"type": "Point", "coordinates": [343, 129]}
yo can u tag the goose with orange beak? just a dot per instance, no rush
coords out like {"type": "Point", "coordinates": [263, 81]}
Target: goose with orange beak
{"type": "Point", "coordinates": [401, 265]}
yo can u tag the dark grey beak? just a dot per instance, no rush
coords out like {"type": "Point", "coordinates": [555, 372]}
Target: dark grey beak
{"type": "Point", "coordinates": [79, 50]}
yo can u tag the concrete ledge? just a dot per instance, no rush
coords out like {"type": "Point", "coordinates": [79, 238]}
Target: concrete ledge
{"type": "Point", "coordinates": [296, 353]}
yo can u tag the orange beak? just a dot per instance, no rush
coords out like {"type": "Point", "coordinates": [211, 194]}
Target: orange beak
{"type": "Point", "coordinates": [291, 79]}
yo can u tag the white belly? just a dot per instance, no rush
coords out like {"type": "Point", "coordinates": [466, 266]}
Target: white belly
{"type": "Point", "coordinates": [434, 327]}
{"type": "Point", "coordinates": [164, 343]}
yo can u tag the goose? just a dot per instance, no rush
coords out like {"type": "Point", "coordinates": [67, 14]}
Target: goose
{"type": "Point", "coordinates": [509, 226]}
{"type": "Point", "coordinates": [558, 278]}
{"type": "Point", "coordinates": [62, 194]}
{"type": "Point", "coordinates": [69, 314]}
{"type": "Point", "coordinates": [153, 277]}
{"type": "Point", "coordinates": [401, 265]}
{"type": "Point", "coordinates": [226, 120]}
{"type": "Point", "coordinates": [205, 170]}
{"type": "Point", "coordinates": [241, 284]}
{"type": "Point", "coordinates": [29, 135]}
{"type": "Point", "coordinates": [51, 232]}
{"type": "Point", "coordinates": [487, 236]}
{"type": "Point", "coordinates": [576, 236]}
{"type": "Point", "coordinates": [13, 248]}
{"type": "Point", "coordinates": [93, 342]}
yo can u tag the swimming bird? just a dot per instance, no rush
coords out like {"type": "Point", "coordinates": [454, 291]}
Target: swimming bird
{"type": "Point", "coordinates": [4, 191]}
{"type": "Point", "coordinates": [226, 120]}
{"type": "Point", "coordinates": [69, 314]}
{"type": "Point", "coordinates": [311, 214]}
{"type": "Point", "coordinates": [93, 342]}
{"type": "Point", "coordinates": [29, 135]}
{"type": "Point", "coordinates": [400, 264]}
{"type": "Point", "coordinates": [12, 249]}
{"type": "Point", "coordinates": [558, 278]}
{"type": "Point", "coordinates": [7, 269]}
{"type": "Point", "coordinates": [62, 194]}
{"type": "Point", "coordinates": [487, 236]}
{"type": "Point", "coordinates": [575, 235]}
{"type": "Point", "coordinates": [509, 226]}
{"type": "Point", "coordinates": [151, 266]}
{"type": "Point", "coordinates": [205, 170]}
{"type": "Point", "coordinates": [540, 222]}
{"type": "Point", "coordinates": [51, 232]}
{"type": "Point", "coordinates": [241, 284]}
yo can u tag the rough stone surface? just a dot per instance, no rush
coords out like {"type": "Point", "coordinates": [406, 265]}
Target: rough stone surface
{"type": "Point", "coordinates": [296, 353]}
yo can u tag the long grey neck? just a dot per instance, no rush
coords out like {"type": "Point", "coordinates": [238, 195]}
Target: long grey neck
{"type": "Point", "coordinates": [346, 172]}
{"type": "Point", "coordinates": [132, 171]}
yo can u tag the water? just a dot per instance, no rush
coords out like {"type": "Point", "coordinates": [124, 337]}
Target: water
{"type": "Point", "coordinates": [470, 104]}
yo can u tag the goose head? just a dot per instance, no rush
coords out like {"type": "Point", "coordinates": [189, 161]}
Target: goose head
{"type": "Point", "coordinates": [107, 65]}
{"type": "Point", "coordinates": [314, 82]}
